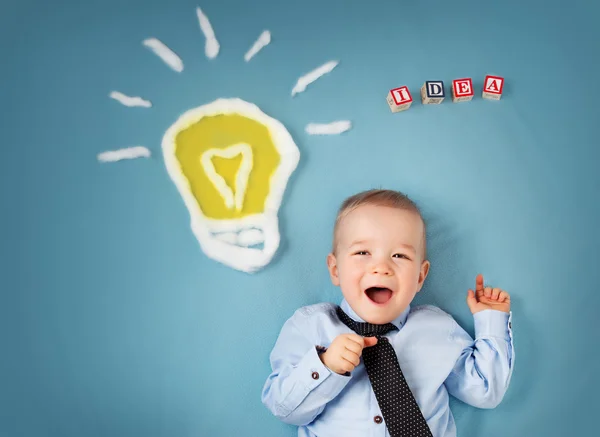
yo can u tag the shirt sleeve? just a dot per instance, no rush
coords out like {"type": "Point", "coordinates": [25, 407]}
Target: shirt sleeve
{"type": "Point", "coordinates": [300, 385]}
{"type": "Point", "coordinates": [484, 368]}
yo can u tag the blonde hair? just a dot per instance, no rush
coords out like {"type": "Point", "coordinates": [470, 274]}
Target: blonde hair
{"type": "Point", "coordinates": [377, 197]}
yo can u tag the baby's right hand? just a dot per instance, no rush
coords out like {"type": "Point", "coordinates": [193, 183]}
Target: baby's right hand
{"type": "Point", "coordinates": [344, 353]}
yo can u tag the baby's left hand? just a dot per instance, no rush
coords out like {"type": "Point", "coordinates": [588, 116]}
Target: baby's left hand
{"type": "Point", "coordinates": [487, 298]}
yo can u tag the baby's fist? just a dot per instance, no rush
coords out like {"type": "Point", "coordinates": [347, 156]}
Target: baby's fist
{"type": "Point", "coordinates": [344, 353]}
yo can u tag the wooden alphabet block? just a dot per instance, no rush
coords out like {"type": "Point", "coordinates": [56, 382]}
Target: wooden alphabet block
{"type": "Point", "coordinates": [462, 90]}
{"type": "Point", "coordinates": [432, 92]}
{"type": "Point", "coordinates": [492, 87]}
{"type": "Point", "coordinates": [399, 99]}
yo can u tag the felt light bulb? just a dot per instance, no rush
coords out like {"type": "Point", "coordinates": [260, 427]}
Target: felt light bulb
{"type": "Point", "coordinates": [231, 164]}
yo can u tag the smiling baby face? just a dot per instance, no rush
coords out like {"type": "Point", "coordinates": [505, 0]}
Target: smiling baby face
{"type": "Point", "coordinates": [378, 260]}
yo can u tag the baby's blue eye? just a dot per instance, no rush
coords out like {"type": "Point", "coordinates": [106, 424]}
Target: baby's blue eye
{"type": "Point", "coordinates": [362, 252]}
{"type": "Point", "coordinates": [400, 255]}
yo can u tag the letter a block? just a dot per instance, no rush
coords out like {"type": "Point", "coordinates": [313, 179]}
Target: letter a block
{"type": "Point", "coordinates": [492, 87]}
{"type": "Point", "coordinates": [462, 90]}
{"type": "Point", "coordinates": [399, 99]}
{"type": "Point", "coordinates": [432, 92]}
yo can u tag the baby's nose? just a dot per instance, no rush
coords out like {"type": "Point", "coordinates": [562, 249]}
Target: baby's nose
{"type": "Point", "coordinates": [382, 268]}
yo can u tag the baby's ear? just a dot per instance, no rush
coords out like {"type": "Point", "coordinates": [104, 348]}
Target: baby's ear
{"type": "Point", "coordinates": [423, 274]}
{"type": "Point", "coordinates": [333, 269]}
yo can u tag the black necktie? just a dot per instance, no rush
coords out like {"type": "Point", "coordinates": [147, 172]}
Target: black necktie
{"type": "Point", "coordinates": [402, 415]}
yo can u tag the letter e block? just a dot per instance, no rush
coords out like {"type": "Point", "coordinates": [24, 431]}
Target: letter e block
{"type": "Point", "coordinates": [399, 99]}
{"type": "Point", "coordinates": [462, 90]}
{"type": "Point", "coordinates": [432, 92]}
{"type": "Point", "coordinates": [492, 87]}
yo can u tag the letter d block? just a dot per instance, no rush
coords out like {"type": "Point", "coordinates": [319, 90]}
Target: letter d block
{"type": "Point", "coordinates": [432, 92]}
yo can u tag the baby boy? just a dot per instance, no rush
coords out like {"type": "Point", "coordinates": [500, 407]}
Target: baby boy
{"type": "Point", "coordinates": [374, 365]}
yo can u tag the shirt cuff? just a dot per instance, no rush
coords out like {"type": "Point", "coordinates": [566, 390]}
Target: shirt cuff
{"type": "Point", "coordinates": [316, 376]}
{"type": "Point", "coordinates": [493, 323]}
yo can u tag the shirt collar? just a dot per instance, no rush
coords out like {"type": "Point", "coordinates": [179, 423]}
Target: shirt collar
{"type": "Point", "coordinates": [398, 321]}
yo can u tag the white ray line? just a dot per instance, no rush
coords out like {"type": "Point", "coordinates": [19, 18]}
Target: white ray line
{"type": "Point", "coordinates": [130, 101]}
{"type": "Point", "coordinates": [263, 40]}
{"type": "Point", "coordinates": [211, 48]}
{"type": "Point", "coordinates": [165, 53]}
{"type": "Point", "coordinates": [309, 78]}
{"type": "Point", "coordinates": [334, 128]}
{"type": "Point", "coordinates": [127, 153]}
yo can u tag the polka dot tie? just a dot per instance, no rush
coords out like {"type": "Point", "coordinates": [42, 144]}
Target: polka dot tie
{"type": "Point", "coordinates": [402, 415]}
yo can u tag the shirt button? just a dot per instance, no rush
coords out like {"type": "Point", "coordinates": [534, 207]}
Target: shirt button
{"type": "Point", "coordinates": [378, 419]}
{"type": "Point", "coordinates": [315, 375]}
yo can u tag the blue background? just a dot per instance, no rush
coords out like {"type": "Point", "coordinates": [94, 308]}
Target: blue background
{"type": "Point", "coordinates": [112, 320]}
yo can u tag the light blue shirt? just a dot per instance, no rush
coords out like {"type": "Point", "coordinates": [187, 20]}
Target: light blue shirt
{"type": "Point", "coordinates": [437, 357]}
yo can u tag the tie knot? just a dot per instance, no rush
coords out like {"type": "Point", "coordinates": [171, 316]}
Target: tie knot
{"type": "Point", "coordinates": [364, 329]}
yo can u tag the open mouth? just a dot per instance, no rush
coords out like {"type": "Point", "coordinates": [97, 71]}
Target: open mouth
{"type": "Point", "coordinates": [379, 295]}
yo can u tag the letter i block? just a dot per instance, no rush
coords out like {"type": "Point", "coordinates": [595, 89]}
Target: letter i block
{"type": "Point", "coordinates": [492, 87]}
{"type": "Point", "coordinates": [399, 99]}
{"type": "Point", "coordinates": [432, 92]}
{"type": "Point", "coordinates": [462, 90]}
